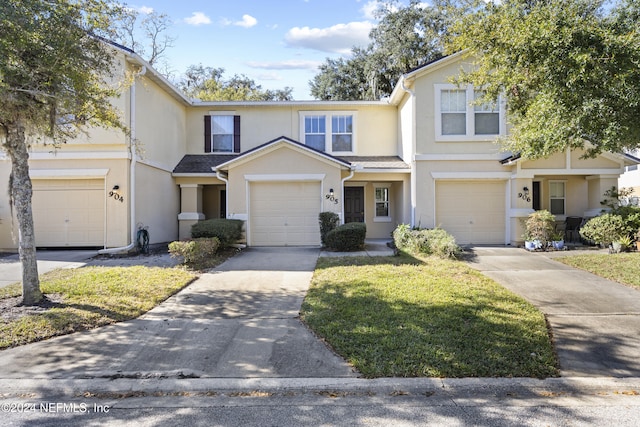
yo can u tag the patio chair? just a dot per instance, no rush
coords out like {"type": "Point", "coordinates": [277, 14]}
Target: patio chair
{"type": "Point", "coordinates": [572, 229]}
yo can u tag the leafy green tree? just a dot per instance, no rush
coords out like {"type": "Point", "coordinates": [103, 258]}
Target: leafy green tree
{"type": "Point", "coordinates": [52, 84]}
{"type": "Point", "coordinates": [567, 68]}
{"type": "Point", "coordinates": [208, 84]}
{"type": "Point", "coordinates": [404, 39]}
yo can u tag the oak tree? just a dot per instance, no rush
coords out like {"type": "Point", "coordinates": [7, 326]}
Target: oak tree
{"type": "Point", "coordinates": [52, 85]}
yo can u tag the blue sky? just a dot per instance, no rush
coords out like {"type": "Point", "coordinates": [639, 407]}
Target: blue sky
{"type": "Point", "coordinates": [275, 43]}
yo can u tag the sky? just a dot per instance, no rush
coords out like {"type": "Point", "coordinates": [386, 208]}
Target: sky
{"type": "Point", "coordinates": [277, 43]}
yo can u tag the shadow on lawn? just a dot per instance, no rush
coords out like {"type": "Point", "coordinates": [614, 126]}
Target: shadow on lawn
{"type": "Point", "coordinates": [385, 326]}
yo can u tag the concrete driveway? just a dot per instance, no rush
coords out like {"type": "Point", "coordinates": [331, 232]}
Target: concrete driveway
{"type": "Point", "coordinates": [238, 321]}
{"type": "Point", "coordinates": [595, 322]}
{"type": "Point", "coordinates": [11, 269]}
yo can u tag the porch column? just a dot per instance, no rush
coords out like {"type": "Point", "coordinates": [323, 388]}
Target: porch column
{"type": "Point", "coordinates": [190, 208]}
{"type": "Point", "coordinates": [521, 205]}
{"type": "Point", "coordinates": [598, 185]}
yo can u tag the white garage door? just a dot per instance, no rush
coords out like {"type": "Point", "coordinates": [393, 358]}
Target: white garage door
{"type": "Point", "coordinates": [68, 212]}
{"type": "Point", "coordinates": [473, 211]}
{"type": "Point", "coordinates": [284, 213]}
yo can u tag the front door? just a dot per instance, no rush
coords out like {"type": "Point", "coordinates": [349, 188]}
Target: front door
{"type": "Point", "coordinates": [353, 204]}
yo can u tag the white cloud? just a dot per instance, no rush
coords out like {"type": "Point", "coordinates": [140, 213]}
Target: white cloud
{"type": "Point", "coordinates": [270, 76]}
{"type": "Point", "coordinates": [290, 64]}
{"type": "Point", "coordinates": [146, 10]}
{"type": "Point", "coordinates": [198, 18]}
{"type": "Point", "coordinates": [247, 21]}
{"type": "Point", "coordinates": [339, 38]}
{"type": "Point", "coordinates": [369, 8]}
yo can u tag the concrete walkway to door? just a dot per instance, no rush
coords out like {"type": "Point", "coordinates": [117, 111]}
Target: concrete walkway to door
{"type": "Point", "coordinates": [237, 321]}
{"type": "Point", "coordinates": [595, 322]}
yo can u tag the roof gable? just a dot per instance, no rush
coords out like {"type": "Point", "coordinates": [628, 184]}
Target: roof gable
{"type": "Point", "coordinates": [274, 144]}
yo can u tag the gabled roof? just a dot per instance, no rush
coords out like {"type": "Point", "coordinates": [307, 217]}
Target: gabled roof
{"type": "Point", "coordinates": [287, 141]}
{"type": "Point", "coordinates": [400, 88]}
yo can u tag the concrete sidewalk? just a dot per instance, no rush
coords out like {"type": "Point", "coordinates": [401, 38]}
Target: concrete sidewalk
{"type": "Point", "coordinates": [237, 321]}
{"type": "Point", "coordinates": [595, 322]}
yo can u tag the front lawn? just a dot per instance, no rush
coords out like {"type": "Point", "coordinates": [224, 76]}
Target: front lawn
{"type": "Point", "coordinates": [407, 317]}
{"type": "Point", "coordinates": [623, 268]}
{"type": "Point", "coordinates": [85, 298]}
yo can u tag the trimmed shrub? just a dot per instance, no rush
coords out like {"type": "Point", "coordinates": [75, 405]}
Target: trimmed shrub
{"type": "Point", "coordinates": [227, 231]}
{"type": "Point", "coordinates": [328, 221]}
{"type": "Point", "coordinates": [434, 241]}
{"type": "Point", "coordinates": [195, 252]}
{"type": "Point", "coordinates": [605, 229]}
{"type": "Point", "coordinates": [347, 237]}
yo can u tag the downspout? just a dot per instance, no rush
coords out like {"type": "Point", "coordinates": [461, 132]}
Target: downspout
{"type": "Point", "coordinates": [353, 171]}
{"type": "Point", "coordinates": [226, 193]}
{"type": "Point", "coordinates": [414, 195]}
{"type": "Point", "coordinates": [132, 171]}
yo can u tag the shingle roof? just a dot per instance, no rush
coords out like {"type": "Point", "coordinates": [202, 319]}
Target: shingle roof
{"type": "Point", "coordinates": [202, 163]}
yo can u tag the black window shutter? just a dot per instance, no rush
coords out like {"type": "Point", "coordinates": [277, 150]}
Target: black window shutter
{"type": "Point", "coordinates": [207, 134]}
{"type": "Point", "coordinates": [236, 134]}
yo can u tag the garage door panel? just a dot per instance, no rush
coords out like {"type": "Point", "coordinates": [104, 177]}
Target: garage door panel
{"type": "Point", "coordinates": [472, 211]}
{"type": "Point", "coordinates": [284, 213]}
{"type": "Point", "coordinates": [69, 212]}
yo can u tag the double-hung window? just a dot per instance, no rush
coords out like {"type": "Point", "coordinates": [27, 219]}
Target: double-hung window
{"type": "Point", "coordinates": [382, 212]}
{"type": "Point", "coordinates": [315, 132]}
{"type": "Point", "coordinates": [557, 197]}
{"type": "Point", "coordinates": [221, 133]}
{"type": "Point", "coordinates": [460, 116]}
{"type": "Point", "coordinates": [331, 132]}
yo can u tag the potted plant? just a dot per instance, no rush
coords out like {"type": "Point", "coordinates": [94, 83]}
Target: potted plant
{"type": "Point", "coordinates": [557, 240]}
{"type": "Point", "coordinates": [539, 227]}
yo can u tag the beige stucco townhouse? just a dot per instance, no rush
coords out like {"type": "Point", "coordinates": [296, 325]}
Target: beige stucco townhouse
{"type": "Point", "coordinates": [426, 157]}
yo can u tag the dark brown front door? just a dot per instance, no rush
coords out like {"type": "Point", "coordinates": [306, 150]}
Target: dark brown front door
{"type": "Point", "coordinates": [353, 204]}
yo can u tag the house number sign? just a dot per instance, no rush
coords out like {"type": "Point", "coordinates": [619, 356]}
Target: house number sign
{"type": "Point", "coordinates": [116, 196]}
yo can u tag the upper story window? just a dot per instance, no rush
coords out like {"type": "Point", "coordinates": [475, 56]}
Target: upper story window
{"type": "Point", "coordinates": [221, 133]}
{"type": "Point", "coordinates": [332, 132]}
{"type": "Point", "coordinates": [459, 118]}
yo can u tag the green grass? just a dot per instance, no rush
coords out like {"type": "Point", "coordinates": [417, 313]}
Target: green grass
{"type": "Point", "coordinates": [91, 297]}
{"type": "Point", "coordinates": [403, 317]}
{"type": "Point", "coordinates": [623, 268]}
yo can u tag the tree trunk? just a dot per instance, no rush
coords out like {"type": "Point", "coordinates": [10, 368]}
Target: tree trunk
{"type": "Point", "coordinates": [20, 191]}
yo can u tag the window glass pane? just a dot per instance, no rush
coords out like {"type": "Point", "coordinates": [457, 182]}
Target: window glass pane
{"type": "Point", "coordinates": [488, 107]}
{"type": "Point", "coordinates": [556, 189]}
{"type": "Point", "coordinates": [453, 101]}
{"type": "Point", "coordinates": [557, 206]}
{"type": "Point", "coordinates": [222, 125]}
{"type": "Point", "coordinates": [341, 142]}
{"type": "Point", "coordinates": [223, 143]}
{"type": "Point", "coordinates": [315, 141]}
{"type": "Point", "coordinates": [454, 124]}
{"type": "Point", "coordinates": [487, 123]}
{"type": "Point", "coordinates": [382, 209]}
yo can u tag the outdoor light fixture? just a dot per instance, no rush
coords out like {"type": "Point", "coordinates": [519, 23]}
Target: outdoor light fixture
{"type": "Point", "coordinates": [525, 194]}
{"type": "Point", "coordinates": [331, 196]}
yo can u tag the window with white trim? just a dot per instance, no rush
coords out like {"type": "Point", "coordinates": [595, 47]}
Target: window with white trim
{"type": "Point", "coordinates": [222, 134]}
{"type": "Point", "coordinates": [382, 199]}
{"type": "Point", "coordinates": [459, 118]}
{"type": "Point", "coordinates": [557, 198]}
{"type": "Point", "coordinates": [331, 132]}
